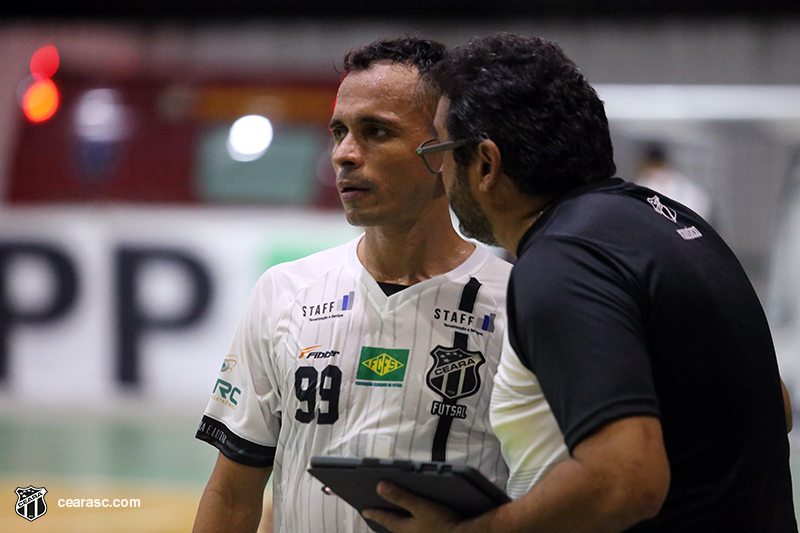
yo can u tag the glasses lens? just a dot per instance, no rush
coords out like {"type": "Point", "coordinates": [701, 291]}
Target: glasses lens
{"type": "Point", "coordinates": [434, 161]}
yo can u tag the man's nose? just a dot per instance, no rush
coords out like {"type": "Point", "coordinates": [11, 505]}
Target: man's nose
{"type": "Point", "coordinates": [347, 153]}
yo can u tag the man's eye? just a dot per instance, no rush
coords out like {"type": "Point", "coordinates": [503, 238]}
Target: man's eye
{"type": "Point", "coordinates": [376, 132]}
{"type": "Point", "coordinates": [338, 134]}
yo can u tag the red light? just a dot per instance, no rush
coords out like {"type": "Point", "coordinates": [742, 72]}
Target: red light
{"type": "Point", "coordinates": [44, 62]}
{"type": "Point", "coordinates": [40, 101]}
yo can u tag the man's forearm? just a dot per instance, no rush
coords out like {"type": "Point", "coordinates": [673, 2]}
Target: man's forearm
{"type": "Point", "coordinates": [232, 500]}
{"type": "Point", "coordinates": [570, 501]}
{"type": "Point", "coordinates": [221, 513]}
{"type": "Point", "coordinates": [615, 479]}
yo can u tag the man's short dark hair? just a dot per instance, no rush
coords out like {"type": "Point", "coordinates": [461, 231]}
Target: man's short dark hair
{"type": "Point", "coordinates": [533, 102]}
{"type": "Point", "coordinates": [416, 52]}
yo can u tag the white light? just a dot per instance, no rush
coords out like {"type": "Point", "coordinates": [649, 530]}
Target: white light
{"type": "Point", "coordinates": [99, 117]}
{"type": "Point", "coordinates": [249, 138]}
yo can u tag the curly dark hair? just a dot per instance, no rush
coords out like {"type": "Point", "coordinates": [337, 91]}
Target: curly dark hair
{"type": "Point", "coordinates": [416, 52]}
{"type": "Point", "coordinates": [533, 102]}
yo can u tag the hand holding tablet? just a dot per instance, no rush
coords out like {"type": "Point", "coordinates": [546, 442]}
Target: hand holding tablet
{"type": "Point", "coordinates": [459, 487]}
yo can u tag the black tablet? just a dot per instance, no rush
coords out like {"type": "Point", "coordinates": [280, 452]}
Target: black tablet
{"type": "Point", "coordinates": [462, 488]}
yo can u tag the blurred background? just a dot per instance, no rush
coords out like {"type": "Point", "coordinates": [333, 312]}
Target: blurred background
{"type": "Point", "coordinates": [156, 157]}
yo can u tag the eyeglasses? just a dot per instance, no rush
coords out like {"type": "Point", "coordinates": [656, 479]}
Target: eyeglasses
{"type": "Point", "coordinates": [434, 163]}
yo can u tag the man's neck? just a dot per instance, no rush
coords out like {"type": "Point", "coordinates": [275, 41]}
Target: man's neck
{"type": "Point", "coordinates": [511, 224]}
{"type": "Point", "coordinates": [407, 256]}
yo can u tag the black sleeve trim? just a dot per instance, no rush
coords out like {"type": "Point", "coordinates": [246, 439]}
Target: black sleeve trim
{"type": "Point", "coordinates": [608, 413]}
{"type": "Point", "coordinates": [233, 446]}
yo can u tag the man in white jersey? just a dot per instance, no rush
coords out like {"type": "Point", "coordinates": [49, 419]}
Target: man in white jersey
{"type": "Point", "coordinates": [383, 347]}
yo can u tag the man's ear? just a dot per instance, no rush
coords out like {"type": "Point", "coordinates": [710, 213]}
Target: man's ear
{"type": "Point", "coordinates": [490, 164]}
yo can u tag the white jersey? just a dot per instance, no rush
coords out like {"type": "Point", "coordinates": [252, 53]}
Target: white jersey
{"type": "Point", "coordinates": [323, 362]}
{"type": "Point", "coordinates": [521, 418]}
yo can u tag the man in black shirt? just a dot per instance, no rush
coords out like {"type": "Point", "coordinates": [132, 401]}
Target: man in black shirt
{"type": "Point", "coordinates": [627, 308]}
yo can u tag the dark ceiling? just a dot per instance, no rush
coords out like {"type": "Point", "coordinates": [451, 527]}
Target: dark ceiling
{"type": "Point", "coordinates": [440, 10]}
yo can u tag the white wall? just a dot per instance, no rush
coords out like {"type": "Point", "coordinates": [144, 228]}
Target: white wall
{"type": "Point", "coordinates": [70, 360]}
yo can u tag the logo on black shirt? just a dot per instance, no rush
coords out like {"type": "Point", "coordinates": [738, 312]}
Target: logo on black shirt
{"type": "Point", "coordinates": [661, 209]}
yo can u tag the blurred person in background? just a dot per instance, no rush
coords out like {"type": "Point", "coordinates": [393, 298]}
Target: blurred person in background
{"type": "Point", "coordinates": [338, 353]}
{"type": "Point", "coordinates": [656, 173]}
{"type": "Point", "coordinates": [630, 311]}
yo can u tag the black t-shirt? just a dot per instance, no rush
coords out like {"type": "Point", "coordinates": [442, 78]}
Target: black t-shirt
{"type": "Point", "coordinates": [626, 303]}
